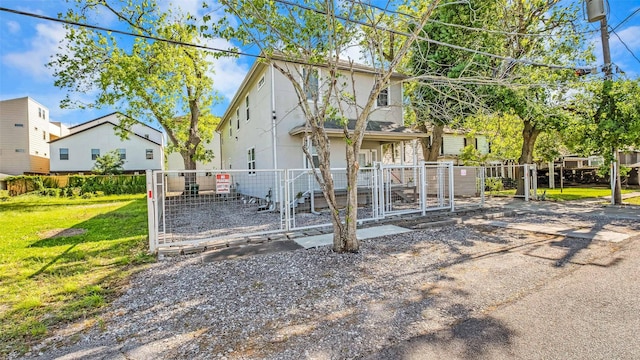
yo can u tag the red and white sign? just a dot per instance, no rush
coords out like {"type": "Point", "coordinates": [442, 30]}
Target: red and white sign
{"type": "Point", "coordinates": [223, 183]}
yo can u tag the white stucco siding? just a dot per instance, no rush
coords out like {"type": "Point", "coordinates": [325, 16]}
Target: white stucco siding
{"type": "Point", "coordinates": [104, 139]}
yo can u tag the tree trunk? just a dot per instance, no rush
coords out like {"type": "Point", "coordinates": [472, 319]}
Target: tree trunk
{"type": "Point", "coordinates": [529, 137]}
{"type": "Point", "coordinates": [344, 236]}
{"type": "Point", "coordinates": [431, 149]}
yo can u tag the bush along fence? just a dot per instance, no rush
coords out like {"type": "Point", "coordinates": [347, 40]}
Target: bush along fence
{"type": "Point", "coordinates": [76, 185]}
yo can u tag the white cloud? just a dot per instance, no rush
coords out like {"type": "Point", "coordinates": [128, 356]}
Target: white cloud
{"type": "Point", "coordinates": [228, 72]}
{"type": "Point", "coordinates": [13, 26]}
{"type": "Point", "coordinates": [41, 47]}
{"type": "Point", "coordinates": [629, 36]}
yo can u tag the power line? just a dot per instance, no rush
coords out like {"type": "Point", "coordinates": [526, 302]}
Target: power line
{"type": "Point", "coordinates": [435, 42]}
{"type": "Point", "coordinates": [470, 28]}
{"type": "Point", "coordinates": [121, 32]}
{"type": "Point", "coordinates": [625, 19]}
{"type": "Point", "coordinates": [308, 8]}
{"type": "Point", "coordinates": [625, 45]}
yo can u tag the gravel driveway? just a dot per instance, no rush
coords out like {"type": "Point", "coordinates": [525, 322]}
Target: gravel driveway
{"type": "Point", "coordinates": [316, 304]}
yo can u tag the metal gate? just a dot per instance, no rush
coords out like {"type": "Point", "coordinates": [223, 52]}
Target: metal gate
{"type": "Point", "coordinates": [415, 188]}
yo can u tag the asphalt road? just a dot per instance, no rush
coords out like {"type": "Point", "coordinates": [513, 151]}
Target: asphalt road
{"type": "Point", "coordinates": [592, 312]}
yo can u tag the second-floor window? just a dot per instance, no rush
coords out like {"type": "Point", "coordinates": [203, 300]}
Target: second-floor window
{"type": "Point", "coordinates": [238, 118]}
{"type": "Point", "coordinates": [123, 154]}
{"type": "Point", "coordinates": [149, 154]}
{"type": "Point", "coordinates": [383, 98]}
{"type": "Point", "coordinates": [95, 153]}
{"type": "Point", "coordinates": [246, 105]}
{"type": "Point", "coordinates": [64, 154]}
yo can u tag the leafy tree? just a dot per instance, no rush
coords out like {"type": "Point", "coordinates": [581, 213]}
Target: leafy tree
{"type": "Point", "coordinates": [539, 94]}
{"type": "Point", "coordinates": [109, 164]}
{"type": "Point", "coordinates": [443, 92]}
{"type": "Point", "coordinates": [608, 120]}
{"type": "Point", "coordinates": [147, 80]}
{"type": "Point", "coordinates": [301, 38]}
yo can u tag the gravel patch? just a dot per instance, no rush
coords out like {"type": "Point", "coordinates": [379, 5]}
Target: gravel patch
{"type": "Point", "coordinates": [315, 304]}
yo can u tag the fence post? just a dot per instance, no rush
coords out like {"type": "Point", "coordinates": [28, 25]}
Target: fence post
{"type": "Point", "coordinates": [483, 175]}
{"type": "Point", "coordinates": [151, 212]}
{"type": "Point", "coordinates": [451, 185]}
{"type": "Point", "coordinates": [527, 186]}
{"type": "Point", "coordinates": [534, 179]}
{"type": "Point", "coordinates": [423, 188]}
{"type": "Point", "coordinates": [287, 208]}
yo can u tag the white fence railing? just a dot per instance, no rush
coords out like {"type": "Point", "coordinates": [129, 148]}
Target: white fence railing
{"type": "Point", "coordinates": [197, 206]}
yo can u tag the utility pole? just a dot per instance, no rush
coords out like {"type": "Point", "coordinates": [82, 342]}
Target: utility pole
{"type": "Point", "coordinates": [596, 11]}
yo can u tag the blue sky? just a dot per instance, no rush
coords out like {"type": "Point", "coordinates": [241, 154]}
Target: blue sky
{"type": "Point", "coordinates": [26, 45]}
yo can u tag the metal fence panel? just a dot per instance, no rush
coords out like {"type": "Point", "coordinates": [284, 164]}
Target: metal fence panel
{"type": "Point", "coordinates": [307, 206]}
{"type": "Point", "coordinates": [468, 186]}
{"type": "Point", "coordinates": [196, 206]}
{"type": "Point", "coordinates": [401, 189]}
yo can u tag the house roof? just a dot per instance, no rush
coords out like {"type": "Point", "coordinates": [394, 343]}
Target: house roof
{"type": "Point", "coordinates": [111, 114]}
{"type": "Point", "coordinates": [97, 125]}
{"type": "Point", "coordinates": [261, 63]}
{"type": "Point", "coordinates": [375, 130]}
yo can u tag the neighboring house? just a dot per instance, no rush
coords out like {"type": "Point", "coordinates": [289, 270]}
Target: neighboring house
{"type": "Point", "coordinates": [76, 152]}
{"type": "Point", "coordinates": [453, 142]}
{"type": "Point", "coordinates": [25, 131]}
{"type": "Point", "coordinates": [175, 161]}
{"type": "Point", "coordinates": [264, 127]}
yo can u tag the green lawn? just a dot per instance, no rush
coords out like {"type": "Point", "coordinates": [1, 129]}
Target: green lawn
{"type": "Point", "coordinates": [633, 201]}
{"type": "Point", "coordinates": [47, 277]}
{"type": "Point", "coordinates": [567, 193]}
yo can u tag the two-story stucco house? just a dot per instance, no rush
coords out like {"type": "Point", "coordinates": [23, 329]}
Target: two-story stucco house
{"type": "Point", "coordinates": [143, 148]}
{"type": "Point", "coordinates": [264, 127]}
{"type": "Point", "coordinates": [25, 132]}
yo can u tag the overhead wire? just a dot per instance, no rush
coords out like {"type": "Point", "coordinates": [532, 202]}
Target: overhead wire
{"type": "Point", "coordinates": [432, 41]}
{"type": "Point", "coordinates": [626, 46]}
{"type": "Point", "coordinates": [286, 2]}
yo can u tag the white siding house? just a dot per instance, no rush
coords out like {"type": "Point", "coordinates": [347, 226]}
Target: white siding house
{"type": "Point", "coordinates": [265, 126]}
{"type": "Point", "coordinates": [77, 151]}
{"type": "Point", "coordinates": [24, 137]}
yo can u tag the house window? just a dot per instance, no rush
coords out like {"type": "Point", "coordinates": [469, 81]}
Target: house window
{"type": "Point", "coordinates": [261, 82]}
{"type": "Point", "coordinates": [238, 118]}
{"type": "Point", "coordinates": [44, 114]}
{"type": "Point", "coordinates": [149, 154]}
{"type": "Point", "coordinates": [18, 125]}
{"type": "Point", "coordinates": [246, 105]}
{"type": "Point", "coordinates": [39, 112]}
{"type": "Point", "coordinates": [20, 150]}
{"type": "Point", "coordinates": [310, 82]}
{"type": "Point", "coordinates": [383, 98]}
{"type": "Point", "coordinates": [123, 154]}
{"type": "Point", "coordinates": [251, 160]}
{"type": "Point", "coordinates": [44, 135]}
{"type": "Point", "coordinates": [64, 154]}
{"type": "Point", "coordinates": [464, 142]}
{"type": "Point", "coordinates": [95, 153]}
{"type": "Point", "coordinates": [230, 130]}
{"type": "Point", "coordinates": [314, 156]}
{"type": "Point", "coordinates": [476, 143]}
{"type": "Point", "coordinates": [146, 136]}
